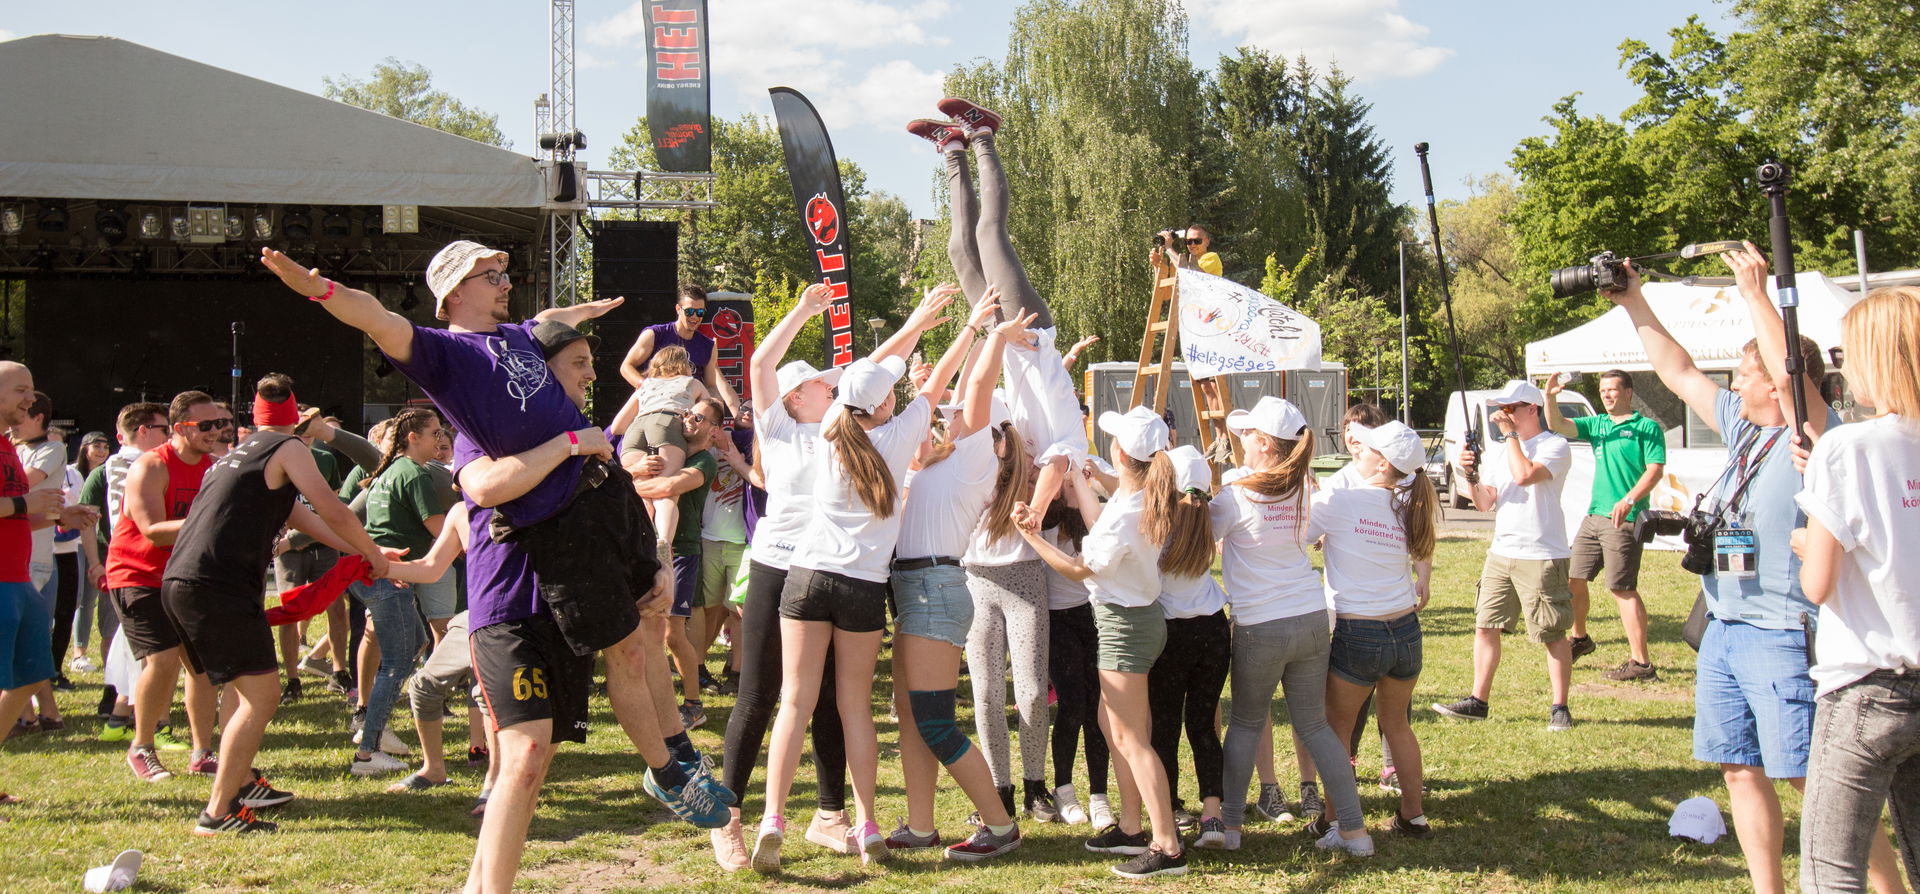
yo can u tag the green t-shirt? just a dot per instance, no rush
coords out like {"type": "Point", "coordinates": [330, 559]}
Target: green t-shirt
{"type": "Point", "coordinates": [686, 538]}
{"type": "Point", "coordinates": [329, 467]}
{"type": "Point", "coordinates": [1621, 453]}
{"type": "Point", "coordinates": [350, 488]}
{"type": "Point", "coordinates": [399, 503]}
{"type": "Point", "coordinates": [93, 492]}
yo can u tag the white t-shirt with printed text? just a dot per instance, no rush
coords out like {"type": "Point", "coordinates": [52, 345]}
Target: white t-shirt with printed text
{"type": "Point", "coordinates": [1367, 569]}
{"type": "Point", "coordinates": [1263, 555]}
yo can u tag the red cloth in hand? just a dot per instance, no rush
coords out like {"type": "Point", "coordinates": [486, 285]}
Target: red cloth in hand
{"type": "Point", "coordinates": [308, 600]}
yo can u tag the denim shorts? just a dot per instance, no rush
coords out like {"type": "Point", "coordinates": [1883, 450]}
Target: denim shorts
{"type": "Point", "coordinates": [933, 603]}
{"type": "Point", "coordinates": [1364, 651]}
{"type": "Point", "coordinates": [1753, 700]}
{"type": "Point", "coordinates": [26, 637]}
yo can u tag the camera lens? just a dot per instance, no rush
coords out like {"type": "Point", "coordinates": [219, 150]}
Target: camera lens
{"type": "Point", "coordinates": [1569, 281]}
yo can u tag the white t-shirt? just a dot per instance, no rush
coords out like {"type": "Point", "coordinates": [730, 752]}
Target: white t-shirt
{"type": "Point", "coordinates": [1042, 402]}
{"type": "Point", "coordinates": [1063, 591]}
{"type": "Point", "coordinates": [50, 458]}
{"type": "Point", "coordinates": [1863, 485]}
{"type": "Point", "coordinates": [665, 394]}
{"type": "Point", "coordinates": [1527, 520]}
{"type": "Point", "coordinates": [1347, 476]}
{"type": "Point", "coordinates": [1368, 571]}
{"type": "Point", "coordinates": [945, 500]}
{"type": "Point", "coordinates": [1190, 597]}
{"type": "Point", "coordinates": [1263, 556]}
{"type": "Point", "coordinates": [72, 481]}
{"type": "Point", "coordinates": [1126, 568]}
{"type": "Point", "coordinates": [845, 536]}
{"type": "Point", "coordinates": [724, 517]}
{"type": "Point", "coordinates": [790, 453]}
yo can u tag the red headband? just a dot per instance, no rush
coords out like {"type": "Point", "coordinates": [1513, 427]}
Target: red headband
{"type": "Point", "coordinates": [266, 412]}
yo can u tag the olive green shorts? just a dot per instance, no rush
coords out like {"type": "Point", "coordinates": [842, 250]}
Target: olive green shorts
{"type": "Point", "coordinates": [1130, 637]}
{"type": "Point", "coordinates": [1535, 588]}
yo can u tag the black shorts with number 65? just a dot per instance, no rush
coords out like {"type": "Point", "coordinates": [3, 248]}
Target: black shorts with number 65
{"type": "Point", "coordinates": [527, 672]}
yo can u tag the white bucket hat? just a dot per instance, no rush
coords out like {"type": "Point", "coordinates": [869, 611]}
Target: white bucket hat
{"type": "Point", "coordinates": [800, 372]}
{"type": "Point", "coordinates": [865, 384]}
{"type": "Point", "coordinates": [452, 265]}
{"type": "Point", "coordinates": [1273, 415]}
{"type": "Point", "coordinates": [1395, 441]}
{"type": "Point", "coordinates": [1140, 431]}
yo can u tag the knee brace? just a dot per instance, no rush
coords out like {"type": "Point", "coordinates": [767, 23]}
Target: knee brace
{"type": "Point", "coordinates": [933, 716]}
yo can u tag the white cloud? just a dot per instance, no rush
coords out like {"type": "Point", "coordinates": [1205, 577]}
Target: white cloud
{"type": "Point", "coordinates": [6, 35]}
{"type": "Point", "coordinates": [853, 58]}
{"type": "Point", "coordinates": [1370, 39]}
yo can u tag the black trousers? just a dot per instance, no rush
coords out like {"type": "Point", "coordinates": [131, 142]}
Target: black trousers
{"type": "Point", "coordinates": [1184, 689]}
{"type": "Point", "coordinates": [759, 694]}
{"type": "Point", "coordinates": [1072, 644]}
{"type": "Point", "coordinates": [66, 601]}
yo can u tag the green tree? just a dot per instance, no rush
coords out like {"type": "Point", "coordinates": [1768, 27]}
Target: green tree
{"type": "Point", "coordinates": [1246, 185]}
{"type": "Point", "coordinates": [1497, 309]}
{"type": "Point", "coordinates": [405, 91]}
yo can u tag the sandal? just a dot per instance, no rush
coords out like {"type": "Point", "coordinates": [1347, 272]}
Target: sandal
{"type": "Point", "coordinates": [51, 724]}
{"type": "Point", "coordinates": [479, 806]}
{"type": "Point", "coordinates": [415, 783]}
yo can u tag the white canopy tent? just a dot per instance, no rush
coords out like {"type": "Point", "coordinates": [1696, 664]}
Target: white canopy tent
{"type": "Point", "coordinates": [1712, 323]}
{"type": "Point", "coordinates": [99, 117]}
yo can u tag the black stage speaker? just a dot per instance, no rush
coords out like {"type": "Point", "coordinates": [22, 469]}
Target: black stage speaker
{"type": "Point", "coordinates": [639, 260]}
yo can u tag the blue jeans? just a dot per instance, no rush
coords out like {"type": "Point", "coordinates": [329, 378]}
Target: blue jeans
{"type": "Point", "coordinates": [1364, 651]}
{"type": "Point", "coordinates": [396, 625]}
{"type": "Point", "coordinates": [1753, 699]}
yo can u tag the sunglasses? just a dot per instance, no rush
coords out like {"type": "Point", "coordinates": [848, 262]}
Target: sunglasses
{"type": "Point", "coordinates": [695, 312]}
{"type": "Point", "coordinates": [494, 277]}
{"type": "Point", "coordinates": [211, 424]}
{"type": "Point", "coordinates": [147, 425]}
{"type": "Point", "coordinates": [696, 417]}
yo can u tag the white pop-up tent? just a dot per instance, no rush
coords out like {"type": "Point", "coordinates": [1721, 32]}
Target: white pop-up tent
{"type": "Point", "coordinates": [1712, 323]}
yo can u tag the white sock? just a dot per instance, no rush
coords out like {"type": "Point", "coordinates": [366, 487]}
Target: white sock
{"type": "Point", "coordinates": [1420, 820]}
{"type": "Point", "coordinates": [999, 830]}
{"type": "Point", "coordinates": [1064, 795]}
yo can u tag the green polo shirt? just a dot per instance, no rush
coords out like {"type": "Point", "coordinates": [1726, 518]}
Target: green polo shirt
{"type": "Point", "coordinates": [1621, 453]}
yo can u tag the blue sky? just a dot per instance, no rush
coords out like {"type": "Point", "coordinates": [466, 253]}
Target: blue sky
{"type": "Point", "coordinates": [1472, 78]}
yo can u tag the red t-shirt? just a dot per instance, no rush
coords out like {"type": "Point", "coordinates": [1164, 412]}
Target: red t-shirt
{"type": "Point", "coordinates": [132, 559]}
{"type": "Point", "coordinates": [16, 531]}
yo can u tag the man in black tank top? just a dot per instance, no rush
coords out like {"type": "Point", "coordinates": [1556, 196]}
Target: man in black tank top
{"type": "Point", "coordinates": [211, 593]}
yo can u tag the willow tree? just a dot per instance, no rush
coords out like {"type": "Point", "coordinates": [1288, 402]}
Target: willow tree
{"type": "Point", "coordinates": [1102, 109]}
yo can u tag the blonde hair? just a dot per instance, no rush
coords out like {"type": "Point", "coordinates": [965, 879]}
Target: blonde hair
{"type": "Point", "coordinates": [1418, 508]}
{"type": "Point", "coordinates": [865, 468]}
{"type": "Point", "coordinates": [1012, 482]}
{"type": "Point", "coordinates": [1881, 335]}
{"type": "Point", "coordinates": [1176, 521]}
{"type": "Point", "coordinates": [671, 360]}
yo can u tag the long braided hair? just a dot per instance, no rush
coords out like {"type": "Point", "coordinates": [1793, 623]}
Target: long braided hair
{"type": "Point", "coordinates": [409, 422]}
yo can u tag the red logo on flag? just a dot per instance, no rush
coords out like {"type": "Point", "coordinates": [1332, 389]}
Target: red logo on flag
{"type": "Point", "coordinates": [823, 220]}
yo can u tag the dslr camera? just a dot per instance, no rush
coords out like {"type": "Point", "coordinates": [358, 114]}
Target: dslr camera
{"type": "Point", "coordinates": [1603, 272]}
{"type": "Point", "coordinates": [1171, 237]}
{"type": "Point", "coordinates": [1698, 534]}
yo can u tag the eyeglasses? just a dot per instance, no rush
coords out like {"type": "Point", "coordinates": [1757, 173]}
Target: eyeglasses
{"type": "Point", "coordinates": [211, 424]}
{"type": "Point", "coordinates": [694, 312]}
{"type": "Point", "coordinates": [494, 277]}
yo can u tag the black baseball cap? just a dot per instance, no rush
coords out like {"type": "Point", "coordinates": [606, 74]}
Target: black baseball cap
{"type": "Point", "coordinates": [554, 335]}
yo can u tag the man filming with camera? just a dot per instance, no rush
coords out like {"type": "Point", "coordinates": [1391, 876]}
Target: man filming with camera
{"type": "Point", "coordinates": [1753, 697]}
{"type": "Point", "coordinates": [1192, 247]}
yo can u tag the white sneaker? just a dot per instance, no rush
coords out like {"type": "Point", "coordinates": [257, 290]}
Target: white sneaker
{"type": "Point", "coordinates": [1099, 812]}
{"type": "Point", "coordinates": [389, 743]}
{"type": "Point", "coordinates": [80, 665]}
{"type": "Point", "coordinates": [377, 764]}
{"type": "Point", "coordinates": [1359, 847]}
{"type": "Point", "coordinates": [1068, 801]}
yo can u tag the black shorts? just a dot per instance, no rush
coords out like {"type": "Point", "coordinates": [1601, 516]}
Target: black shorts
{"type": "Point", "coordinates": [225, 636]}
{"type": "Point", "coordinates": [849, 603]}
{"type": "Point", "coordinates": [527, 672]}
{"type": "Point", "coordinates": [148, 630]}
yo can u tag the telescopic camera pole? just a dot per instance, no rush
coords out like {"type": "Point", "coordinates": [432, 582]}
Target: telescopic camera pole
{"type": "Point", "coordinates": [1472, 441]}
{"type": "Point", "coordinates": [1773, 177]}
{"type": "Point", "coordinates": [238, 329]}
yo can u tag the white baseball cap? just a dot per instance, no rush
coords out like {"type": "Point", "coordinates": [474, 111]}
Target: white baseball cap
{"type": "Point", "coordinates": [800, 372]}
{"type": "Point", "coordinates": [1273, 415]}
{"type": "Point", "coordinates": [451, 265]}
{"type": "Point", "coordinates": [1395, 441]}
{"type": "Point", "coordinates": [1140, 431]}
{"type": "Point", "coordinates": [1517, 391]}
{"type": "Point", "coordinates": [1697, 818]}
{"type": "Point", "coordinates": [865, 384]}
{"type": "Point", "coordinates": [1190, 469]}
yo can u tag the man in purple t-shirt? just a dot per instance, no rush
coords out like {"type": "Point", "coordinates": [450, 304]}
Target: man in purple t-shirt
{"type": "Point", "coordinates": [689, 311]}
{"type": "Point", "coordinates": [509, 392]}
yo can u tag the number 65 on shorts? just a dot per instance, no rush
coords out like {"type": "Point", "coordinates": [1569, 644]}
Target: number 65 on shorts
{"type": "Point", "coordinates": [528, 673]}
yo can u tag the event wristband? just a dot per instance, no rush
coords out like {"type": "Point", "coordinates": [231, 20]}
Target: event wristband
{"type": "Point", "coordinates": [19, 505]}
{"type": "Point", "coordinates": [329, 294]}
{"type": "Point", "coordinates": [573, 444]}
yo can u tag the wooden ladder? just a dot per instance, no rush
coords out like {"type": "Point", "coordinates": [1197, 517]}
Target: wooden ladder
{"type": "Point", "coordinates": [1212, 403]}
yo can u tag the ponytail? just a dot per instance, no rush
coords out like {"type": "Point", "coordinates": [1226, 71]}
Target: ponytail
{"type": "Point", "coordinates": [866, 470]}
{"type": "Point", "coordinates": [409, 422]}
{"type": "Point", "coordinates": [1176, 521]}
{"type": "Point", "coordinates": [1011, 483]}
{"type": "Point", "coordinates": [1417, 506]}
{"type": "Point", "coordinates": [1289, 476]}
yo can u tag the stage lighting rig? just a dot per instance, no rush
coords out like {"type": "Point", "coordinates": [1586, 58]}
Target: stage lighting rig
{"type": "Point", "coordinates": [53, 216]}
{"type": "Point", "coordinates": [150, 225]}
{"type": "Point", "coordinates": [297, 223]}
{"type": "Point", "coordinates": [12, 219]}
{"type": "Point", "coordinates": [334, 224]}
{"type": "Point", "coordinates": [111, 223]}
{"type": "Point", "coordinates": [263, 225]}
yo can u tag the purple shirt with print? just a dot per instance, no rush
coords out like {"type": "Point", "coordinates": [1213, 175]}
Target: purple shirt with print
{"type": "Point", "coordinates": [496, 390]}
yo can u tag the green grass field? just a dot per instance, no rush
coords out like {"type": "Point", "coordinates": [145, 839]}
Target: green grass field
{"type": "Point", "coordinates": [1514, 807]}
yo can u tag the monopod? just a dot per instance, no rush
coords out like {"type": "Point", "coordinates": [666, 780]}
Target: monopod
{"type": "Point", "coordinates": [1472, 441]}
{"type": "Point", "coordinates": [1773, 177]}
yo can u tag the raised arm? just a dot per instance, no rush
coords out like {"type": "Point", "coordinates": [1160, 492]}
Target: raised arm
{"type": "Point", "coordinates": [718, 386]}
{"type": "Point", "coordinates": [764, 386]}
{"type": "Point", "coordinates": [1027, 522]}
{"type": "Point", "coordinates": [574, 315]}
{"type": "Point", "coordinates": [358, 449]}
{"type": "Point", "coordinates": [1670, 361]}
{"type": "Point", "coordinates": [390, 331]}
{"type": "Point", "coordinates": [1750, 271]}
{"type": "Point", "coordinates": [973, 418]}
{"type": "Point", "coordinates": [1560, 424]}
{"type": "Point", "coordinates": [925, 316]}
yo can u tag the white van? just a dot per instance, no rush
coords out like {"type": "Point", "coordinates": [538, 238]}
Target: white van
{"type": "Point", "coordinates": [1572, 404]}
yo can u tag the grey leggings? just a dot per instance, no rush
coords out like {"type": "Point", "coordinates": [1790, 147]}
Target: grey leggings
{"type": "Point", "coordinates": [1010, 617]}
{"type": "Point", "coordinates": [1866, 755]}
{"type": "Point", "coordinates": [978, 244]}
{"type": "Point", "coordinates": [1290, 653]}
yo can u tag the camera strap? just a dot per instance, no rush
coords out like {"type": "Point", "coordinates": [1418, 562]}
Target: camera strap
{"type": "Point", "coordinates": [1747, 472]}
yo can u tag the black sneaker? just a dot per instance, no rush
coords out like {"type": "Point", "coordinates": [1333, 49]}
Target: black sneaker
{"type": "Point", "coordinates": [1631, 670]}
{"type": "Point", "coordinates": [1310, 803]}
{"type": "Point", "coordinates": [1411, 829]}
{"type": "Point", "coordinates": [1582, 645]}
{"type": "Point", "coordinates": [290, 692]}
{"type": "Point", "coordinates": [707, 682]}
{"type": "Point", "coordinates": [240, 821]}
{"type": "Point", "coordinates": [1468, 708]}
{"type": "Point", "coordinates": [1184, 820]}
{"type": "Point", "coordinates": [1559, 720]}
{"type": "Point", "coordinates": [1153, 863]}
{"type": "Point", "coordinates": [258, 794]}
{"type": "Point", "coordinates": [1040, 805]}
{"type": "Point", "coordinates": [62, 684]}
{"type": "Point", "coordinates": [1318, 826]}
{"type": "Point", "coordinates": [339, 682]}
{"type": "Point", "coordinates": [1113, 841]}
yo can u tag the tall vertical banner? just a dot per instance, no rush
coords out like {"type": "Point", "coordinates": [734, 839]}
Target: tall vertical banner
{"type": "Point", "coordinates": [729, 322]}
{"type": "Point", "coordinates": [822, 206]}
{"type": "Point", "coordinates": [679, 115]}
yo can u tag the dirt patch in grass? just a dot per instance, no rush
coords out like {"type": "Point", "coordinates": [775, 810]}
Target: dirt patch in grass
{"type": "Point", "coordinates": [1633, 693]}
